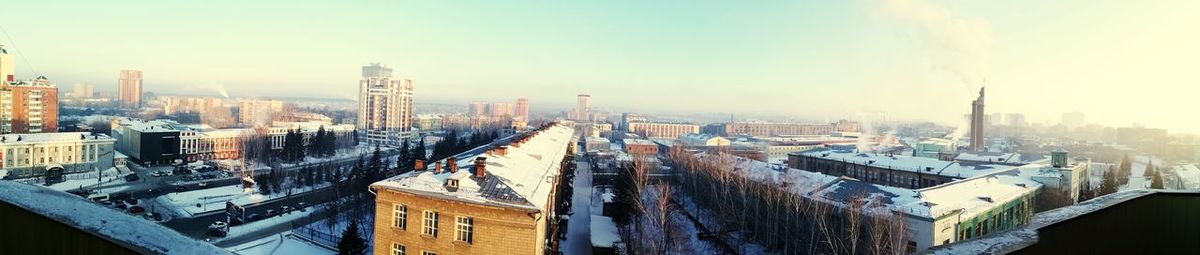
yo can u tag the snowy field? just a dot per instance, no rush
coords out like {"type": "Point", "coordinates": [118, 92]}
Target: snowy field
{"type": "Point", "coordinates": [281, 244]}
{"type": "Point", "coordinates": [213, 199]}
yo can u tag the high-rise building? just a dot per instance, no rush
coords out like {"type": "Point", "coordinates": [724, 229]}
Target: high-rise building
{"type": "Point", "coordinates": [6, 66]}
{"type": "Point", "coordinates": [129, 88]}
{"type": "Point", "coordinates": [384, 106]}
{"type": "Point", "coordinates": [523, 109]}
{"type": "Point", "coordinates": [1015, 120]}
{"type": "Point", "coordinates": [977, 140]}
{"type": "Point", "coordinates": [500, 109]}
{"type": "Point", "coordinates": [83, 90]}
{"type": "Point", "coordinates": [477, 109]}
{"type": "Point", "coordinates": [257, 113]}
{"type": "Point", "coordinates": [29, 107]}
{"type": "Point", "coordinates": [581, 108]}
{"type": "Point", "coordinates": [1073, 120]}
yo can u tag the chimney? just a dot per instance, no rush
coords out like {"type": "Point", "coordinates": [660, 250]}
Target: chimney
{"type": "Point", "coordinates": [453, 164]}
{"type": "Point", "coordinates": [419, 165]}
{"type": "Point", "coordinates": [501, 150]}
{"type": "Point", "coordinates": [437, 167]}
{"type": "Point", "coordinates": [480, 167]}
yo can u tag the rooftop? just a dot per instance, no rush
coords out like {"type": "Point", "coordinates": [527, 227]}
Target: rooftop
{"type": "Point", "coordinates": [521, 178]}
{"type": "Point", "coordinates": [905, 163]}
{"type": "Point", "coordinates": [53, 137]}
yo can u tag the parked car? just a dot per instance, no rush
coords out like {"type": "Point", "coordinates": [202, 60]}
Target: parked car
{"type": "Point", "coordinates": [300, 206]}
{"type": "Point", "coordinates": [132, 178]}
{"type": "Point", "coordinates": [272, 212]}
{"type": "Point", "coordinates": [286, 209]}
{"type": "Point", "coordinates": [155, 216]}
{"type": "Point", "coordinates": [218, 229]}
{"type": "Point", "coordinates": [121, 206]}
{"type": "Point", "coordinates": [180, 188]}
{"type": "Point", "coordinates": [98, 198]}
{"type": "Point", "coordinates": [131, 201]}
{"type": "Point", "coordinates": [137, 209]}
{"type": "Point", "coordinates": [253, 217]}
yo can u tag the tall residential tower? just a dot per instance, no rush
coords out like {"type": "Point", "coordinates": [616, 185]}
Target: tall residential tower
{"type": "Point", "coordinates": [581, 109]}
{"type": "Point", "coordinates": [384, 106]}
{"type": "Point", "coordinates": [129, 88]}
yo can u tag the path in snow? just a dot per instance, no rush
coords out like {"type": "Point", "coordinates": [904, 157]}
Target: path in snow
{"type": "Point", "coordinates": [579, 237]}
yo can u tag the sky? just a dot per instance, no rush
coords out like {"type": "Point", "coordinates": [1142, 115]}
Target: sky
{"type": "Point", "coordinates": [1120, 62]}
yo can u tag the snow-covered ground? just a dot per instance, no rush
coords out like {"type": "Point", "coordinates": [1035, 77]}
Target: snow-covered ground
{"type": "Point", "coordinates": [261, 225]}
{"type": "Point", "coordinates": [213, 199]}
{"type": "Point", "coordinates": [71, 210]}
{"type": "Point", "coordinates": [578, 226]}
{"type": "Point", "coordinates": [280, 244]}
{"type": "Point", "coordinates": [322, 233]}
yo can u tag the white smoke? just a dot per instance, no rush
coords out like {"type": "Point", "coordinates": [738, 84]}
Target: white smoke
{"type": "Point", "coordinates": [220, 88]}
{"type": "Point", "coordinates": [957, 45]}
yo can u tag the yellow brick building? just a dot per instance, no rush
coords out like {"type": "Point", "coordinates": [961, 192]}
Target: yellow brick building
{"type": "Point", "coordinates": [500, 202]}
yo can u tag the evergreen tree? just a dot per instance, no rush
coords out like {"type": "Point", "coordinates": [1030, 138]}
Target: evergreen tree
{"type": "Point", "coordinates": [316, 144]}
{"type": "Point", "coordinates": [263, 186]}
{"type": "Point", "coordinates": [374, 167]}
{"type": "Point", "coordinates": [352, 243]}
{"type": "Point", "coordinates": [1149, 172]}
{"type": "Point", "coordinates": [1086, 192]}
{"type": "Point", "coordinates": [330, 145]}
{"type": "Point", "coordinates": [1109, 185]}
{"type": "Point", "coordinates": [402, 155]}
{"type": "Point", "coordinates": [418, 152]}
{"type": "Point", "coordinates": [1126, 170]}
{"type": "Point", "coordinates": [1156, 181]}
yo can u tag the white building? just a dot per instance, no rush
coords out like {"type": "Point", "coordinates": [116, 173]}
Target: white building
{"type": "Point", "coordinates": [698, 139]}
{"type": "Point", "coordinates": [384, 106]}
{"type": "Point", "coordinates": [27, 155]}
{"type": "Point", "coordinates": [662, 130]}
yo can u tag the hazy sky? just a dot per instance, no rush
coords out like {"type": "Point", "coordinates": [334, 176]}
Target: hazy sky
{"type": "Point", "coordinates": [1119, 61]}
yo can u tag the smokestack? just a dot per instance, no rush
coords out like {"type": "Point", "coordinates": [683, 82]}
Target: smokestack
{"type": "Point", "coordinates": [480, 167]}
{"type": "Point", "coordinates": [502, 150]}
{"type": "Point", "coordinates": [419, 165]}
{"type": "Point", "coordinates": [437, 167]}
{"type": "Point", "coordinates": [453, 164]}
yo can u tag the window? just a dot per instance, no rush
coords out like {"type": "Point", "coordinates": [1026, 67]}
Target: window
{"type": "Point", "coordinates": [400, 216]}
{"type": "Point", "coordinates": [463, 227]}
{"type": "Point", "coordinates": [428, 253]}
{"type": "Point", "coordinates": [430, 223]}
{"type": "Point", "coordinates": [397, 249]}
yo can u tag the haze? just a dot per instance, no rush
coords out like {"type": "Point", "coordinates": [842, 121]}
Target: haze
{"type": "Point", "coordinates": [1120, 62]}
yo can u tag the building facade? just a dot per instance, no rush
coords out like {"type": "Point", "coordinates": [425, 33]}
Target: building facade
{"type": "Point", "coordinates": [259, 112]}
{"type": "Point", "coordinates": [780, 129]}
{"type": "Point", "coordinates": [129, 88]}
{"type": "Point", "coordinates": [28, 155]}
{"type": "Point", "coordinates": [499, 202]}
{"type": "Point", "coordinates": [662, 130]}
{"type": "Point", "coordinates": [522, 109]}
{"type": "Point", "coordinates": [582, 107]}
{"type": "Point", "coordinates": [384, 106]}
{"type": "Point", "coordinates": [29, 107]}
{"type": "Point", "coordinates": [428, 122]}
{"type": "Point", "coordinates": [83, 90]}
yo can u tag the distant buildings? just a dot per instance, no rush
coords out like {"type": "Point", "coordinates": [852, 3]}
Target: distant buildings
{"type": "Point", "coordinates": [697, 139]}
{"type": "Point", "coordinates": [501, 110]}
{"type": "Point", "coordinates": [582, 108]}
{"type": "Point", "coordinates": [522, 109]}
{"type": "Point", "coordinates": [83, 90]}
{"type": "Point", "coordinates": [384, 106]}
{"type": "Point", "coordinates": [787, 129]}
{"type": "Point", "coordinates": [1016, 120]}
{"type": "Point", "coordinates": [27, 155]}
{"type": "Point", "coordinates": [129, 88]}
{"type": "Point", "coordinates": [640, 147]}
{"type": "Point", "coordinates": [1073, 120]}
{"type": "Point", "coordinates": [662, 130]}
{"type": "Point", "coordinates": [477, 109]}
{"type": "Point", "coordinates": [29, 107]}
{"type": "Point", "coordinates": [258, 112]}
{"type": "Point", "coordinates": [160, 142]}
{"type": "Point", "coordinates": [977, 124]}
{"type": "Point", "coordinates": [502, 201]}
{"type": "Point", "coordinates": [428, 122]}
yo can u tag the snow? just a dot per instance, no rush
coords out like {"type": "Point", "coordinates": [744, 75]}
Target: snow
{"type": "Point", "coordinates": [604, 232]}
{"type": "Point", "coordinates": [526, 169]}
{"type": "Point", "coordinates": [74, 211]}
{"type": "Point", "coordinates": [263, 224]}
{"type": "Point", "coordinates": [1189, 174]}
{"type": "Point", "coordinates": [281, 244]}
{"type": "Point", "coordinates": [907, 163]}
{"type": "Point", "coordinates": [213, 199]}
{"type": "Point", "coordinates": [579, 231]}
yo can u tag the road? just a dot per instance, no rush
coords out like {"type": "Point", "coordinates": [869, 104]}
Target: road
{"type": "Point", "coordinates": [579, 237]}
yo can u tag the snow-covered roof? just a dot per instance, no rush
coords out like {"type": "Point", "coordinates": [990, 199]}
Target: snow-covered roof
{"type": "Point", "coordinates": [604, 232]}
{"type": "Point", "coordinates": [1012, 158]}
{"type": "Point", "coordinates": [1021, 237]}
{"type": "Point", "coordinates": [637, 142]}
{"type": "Point", "coordinates": [905, 163]}
{"type": "Point", "coordinates": [53, 137]}
{"type": "Point", "coordinates": [131, 232]}
{"type": "Point", "coordinates": [520, 178]}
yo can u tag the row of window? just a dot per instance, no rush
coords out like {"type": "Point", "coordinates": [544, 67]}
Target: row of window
{"type": "Point", "coordinates": [399, 249]}
{"type": "Point", "coordinates": [464, 227]}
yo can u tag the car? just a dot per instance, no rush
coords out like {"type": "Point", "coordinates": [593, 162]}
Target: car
{"type": "Point", "coordinates": [202, 184]}
{"type": "Point", "coordinates": [98, 197]}
{"type": "Point", "coordinates": [218, 229]}
{"type": "Point", "coordinates": [131, 201]}
{"type": "Point", "coordinates": [137, 209]}
{"type": "Point", "coordinates": [180, 188]}
{"type": "Point", "coordinates": [155, 216]}
{"type": "Point", "coordinates": [121, 206]}
{"type": "Point", "coordinates": [286, 209]}
{"type": "Point", "coordinates": [300, 206]}
{"type": "Point", "coordinates": [156, 174]}
{"type": "Point", "coordinates": [253, 217]}
{"type": "Point", "coordinates": [132, 178]}
{"type": "Point", "coordinates": [272, 212]}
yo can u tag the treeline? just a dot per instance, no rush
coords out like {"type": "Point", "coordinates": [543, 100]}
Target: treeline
{"type": "Point", "coordinates": [770, 215]}
{"type": "Point", "coordinates": [1113, 179]}
{"type": "Point", "coordinates": [455, 143]}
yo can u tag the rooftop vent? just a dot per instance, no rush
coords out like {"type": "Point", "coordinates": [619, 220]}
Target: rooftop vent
{"type": "Point", "coordinates": [988, 199]}
{"type": "Point", "coordinates": [480, 167]}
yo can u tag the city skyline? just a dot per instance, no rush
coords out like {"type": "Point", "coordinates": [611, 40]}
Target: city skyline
{"type": "Point", "coordinates": [771, 58]}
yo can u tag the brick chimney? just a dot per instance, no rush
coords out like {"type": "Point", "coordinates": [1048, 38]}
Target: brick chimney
{"type": "Point", "coordinates": [501, 150]}
{"type": "Point", "coordinates": [453, 164]}
{"type": "Point", "coordinates": [419, 165]}
{"type": "Point", "coordinates": [480, 167]}
{"type": "Point", "coordinates": [437, 167]}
